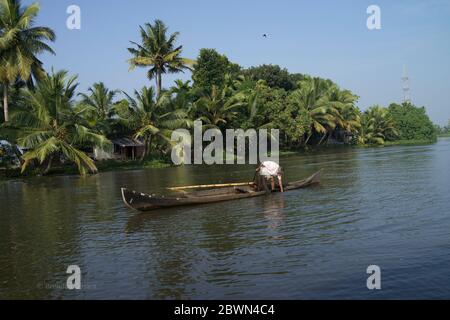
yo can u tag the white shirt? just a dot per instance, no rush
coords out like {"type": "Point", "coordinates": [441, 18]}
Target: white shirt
{"type": "Point", "coordinates": [270, 169]}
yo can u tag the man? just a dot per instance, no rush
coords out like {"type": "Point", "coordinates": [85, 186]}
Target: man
{"type": "Point", "coordinates": [268, 170]}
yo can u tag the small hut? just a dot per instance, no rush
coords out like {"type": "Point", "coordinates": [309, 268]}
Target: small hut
{"type": "Point", "coordinates": [128, 149]}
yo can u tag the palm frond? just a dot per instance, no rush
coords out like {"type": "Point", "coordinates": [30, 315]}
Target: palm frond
{"type": "Point", "coordinates": [83, 162]}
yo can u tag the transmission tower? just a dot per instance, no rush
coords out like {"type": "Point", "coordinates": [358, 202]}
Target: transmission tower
{"type": "Point", "coordinates": [406, 88]}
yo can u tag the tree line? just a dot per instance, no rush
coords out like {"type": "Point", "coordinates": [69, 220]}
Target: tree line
{"type": "Point", "coordinates": [55, 123]}
{"type": "Point", "coordinates": [443, 130]}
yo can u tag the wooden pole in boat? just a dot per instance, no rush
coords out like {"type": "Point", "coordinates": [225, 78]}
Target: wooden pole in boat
{"type": "Point", "coordinates": [205, 186]}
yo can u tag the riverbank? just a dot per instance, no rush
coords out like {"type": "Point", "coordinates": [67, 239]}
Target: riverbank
{"type": "Point", "coordinates": [408, 142]}
{"type": "Point", "coordinates": [102, 166]}
{"type": "Point", "coordinates": [158, 163]}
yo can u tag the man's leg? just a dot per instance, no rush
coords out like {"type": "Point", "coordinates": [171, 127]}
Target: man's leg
{"type": "Point", "coordinates": [272, 183]}
{"type": "Point", "coordinates": [262, 184]}
{"type": "Point", "coordinates": [280, 182]}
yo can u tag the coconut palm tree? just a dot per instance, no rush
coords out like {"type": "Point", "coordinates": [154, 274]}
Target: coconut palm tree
{"type": "Point", "coordinates": [151, 119]}
{"type": "Point", "coordinates": [218, 108]}
{"type": "Point", "coordinates": [376, 126]}
{"type": "Point", "coordinates": [341, 105]}
{"type": "Point", "coordinates": [97, 106]}
{"type": "Point", "coordinates": [159, 52]}
{"type": "Point", "coordinates": [350, 119]}
{"type": "Point", "coordinates": [100, 98]}
{"type": "Point", "coordinates": [247, 91]}
{"type": "Point", "coordinates": [311, 96]}
{"type": "Point", "coordinates": [181, 96]}
{"type": "Point", "coordinates": [20, 42]}
{"type": "Point", "coordinates": [53, 127]}
{"type": "Point", "coordinates": [181, 87]}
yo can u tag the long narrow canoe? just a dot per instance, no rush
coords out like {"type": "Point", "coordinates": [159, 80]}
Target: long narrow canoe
{"type": "Point", "coordinates": [146, 202]}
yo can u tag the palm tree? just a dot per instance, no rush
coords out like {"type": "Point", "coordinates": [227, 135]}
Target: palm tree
{"type": "Point", "coordinates": [159, 52]}
{"type": "Point", "coordinates": [100, 98]}
{"type": "Point", "coordinates": [376, 126]}
{"type": "Point", "coordinates": [53, 127]}
{"type": "Point", "coordinates": [181, 96]}
{"type": "Point", "coordinates": [20, 42]}
{"type": "Point", "coordinates": [341, 105]}
{"type": "Point", "coordinates": [218, 108]}
{"type": "Point", "coordinates": [98, 106]}
{"type": "Point", "coordinates": [311, 96]}
{"type": "Point", "coordinates": [181, 87]}
{"type": "Point", "coordinates": [151, 118]}
{"type": "Point", "coordinates": [251, 93]}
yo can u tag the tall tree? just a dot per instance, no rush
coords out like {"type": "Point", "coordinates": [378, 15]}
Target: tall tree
{"type": "Point", "coordinates": [100, 98]}
{"type": "Point", "coordinates": [20, 42]}
{"type": "Point", "coordinates": [412, 122]}
{"type": "Point", "coordinates": [98, 105]}
{"type": "Point", "coordinates": [311, 96]}
{"type": "Point", "coordinates": [181, 96]}
{"type": "Point", "coordinates": [273, 75]}
{"type": "Point", "coordinates": [211, 69]}
{"type": "Point", "coordinates": [158, 52]}
{"type": "Point", "coordinates": [341, 105]}
{"type": "Point", "coordinates": [218, 108]}
{"type": "Point", "coordinates": [53, 127]}
{"type": "Point", "coordinates": [377, 126]}
{"type": "Point", "coordinates": [152, 119]}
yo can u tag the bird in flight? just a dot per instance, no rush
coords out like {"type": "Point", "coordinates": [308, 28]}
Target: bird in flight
{"type": "Point", "coordinates": [265, 35]}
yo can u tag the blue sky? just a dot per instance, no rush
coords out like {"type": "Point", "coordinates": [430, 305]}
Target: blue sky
{"type": "Point", "coordinates": [322, 38]}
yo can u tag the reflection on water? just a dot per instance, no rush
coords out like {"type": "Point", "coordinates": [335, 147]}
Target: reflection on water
{"type": "Point", "coordinates": [273, 211]}
{"type": "Point", "coordinates": [384, 206]}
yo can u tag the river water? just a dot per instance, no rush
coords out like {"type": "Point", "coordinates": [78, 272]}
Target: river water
{"type": "Point", "coordinates": [380, 206]}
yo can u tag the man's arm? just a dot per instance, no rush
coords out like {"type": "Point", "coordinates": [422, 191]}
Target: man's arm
{"type": "Point", "coordinates": [280, 182]}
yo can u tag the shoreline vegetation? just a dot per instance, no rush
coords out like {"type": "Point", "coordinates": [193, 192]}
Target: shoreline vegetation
{"type": "Point", "coordinates": [60, 129]}
{"type": "Point", "coordinates": [159, 163]}
{"type": "Point", "coordinates": [444, 135]}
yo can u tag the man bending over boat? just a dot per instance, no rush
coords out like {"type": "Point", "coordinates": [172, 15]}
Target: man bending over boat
{"type": "Point", "coordinates": [269, 170]}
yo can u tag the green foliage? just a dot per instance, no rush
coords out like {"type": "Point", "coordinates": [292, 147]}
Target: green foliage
{"type": "Point", "coordinates": [274, 76]}
{"type": "Point", "coordinates": [20, 42]}
{"type": "Point", "coordinates": [158, 52]}
{"type": "Point", "coordinates": [412, 123]}
{"type": "Point", "coordinates": [309, 111]}
{"type": "Point", "coordinates": [295, 78]}
{"type": "Point", "coordinates": [443, 131]}
{"type": "Point", "coordinates": [8, 155]}
{"type": "Point", "coordinates": [97, 106]}
{"type": "Point", "coordinates": [10, 133]}
{"type": "Point", "coordinates": [267, 104]}
{"type": "Point", "coordinates": [295, 122]}
{"type": "Point", "coordinates": [218, 108]}
{"type": "Point", "coordinates": [377, 126]}
{"type": "Point", "coordinates": [151, 119]}
{"type": "Point", "coordinates": [211, 69]}
{"type": "Point", "coordinates": [54, 128]}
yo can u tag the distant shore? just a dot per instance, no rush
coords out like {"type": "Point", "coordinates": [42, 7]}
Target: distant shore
{"type": "Point", "coordinates": [113, 165]}
{"type": "Point", "coordinates": [444, 135]}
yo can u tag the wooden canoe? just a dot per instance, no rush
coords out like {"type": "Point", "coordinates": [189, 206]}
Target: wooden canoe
{"type": "Point", "coordinates": [146, 202]}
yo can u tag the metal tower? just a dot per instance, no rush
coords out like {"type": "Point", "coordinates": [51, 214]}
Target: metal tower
{"type": "Point", "coordinates": [406, 88]}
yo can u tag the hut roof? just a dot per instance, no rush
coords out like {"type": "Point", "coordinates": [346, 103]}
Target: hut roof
{"type": "Point", "coordinates": [127, 142]}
